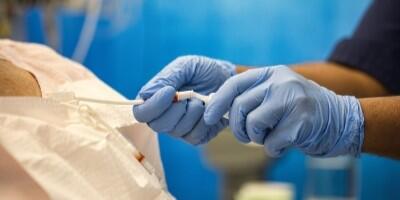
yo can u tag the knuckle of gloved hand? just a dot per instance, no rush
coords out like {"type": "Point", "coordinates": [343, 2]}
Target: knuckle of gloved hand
{"type": "Point", "coordinates": [209, 135]}
{"type": "Point", "coordinates": [178, 133]}
{"type": "Point", "coordinates": [305, 119]}
{"type": "Point", "coordinates": [148, 90]}
{"type": "Point", "coordinates": [231, 82]}
{"type": "Point", "coordinates": [239, 132]}
{"type": "Point", "coordinates": [205, 139]}
{"type": "Point", "coordinates": [292, 83]}
{"type": "Point", "coordinates": [196, 136]}
{"type": "Point", "coordinates": [161, 127]}
{"type": "Point", "coordinates": [270, 150]}
{"type": "Point", "coordinates": [140, 116]}
{"type": "Point", "coordinates": [184, 60]}
{"type": "Point", "coordinates": [252, 122]}
{"type": "Point", "coordinates": [236, 105]}
{"type": "Point", "coordinates": [181, 130]}
{"type": "Point", "coordinates": [305, 101]}
{"type": "Point", "coordinates": [192, 140]}
{"type": "Point", "coordinates": [306, 108]}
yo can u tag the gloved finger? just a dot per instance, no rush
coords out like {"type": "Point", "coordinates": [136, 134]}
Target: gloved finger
{"type": "Point", "coordinates": [170, 118]}
{"type": "Point", "coordinates": [241, 107]}
{"type": "Point", "coordinates": [214, 130]}
{"type": "Point", "coordinates": [194, 112]}
{"type": "Point", "coordinates": [263, 119]}
{"type": "Point", "coordinates": [157, 104]}
{"type": "Point", "coordinates": [175, 74]}
{"type": "Point", "coordinates": [203, 133]}
{"type": "Point", "coordinates": [234, 86]}
{"type": "Point", "coordinates": [280, 138]}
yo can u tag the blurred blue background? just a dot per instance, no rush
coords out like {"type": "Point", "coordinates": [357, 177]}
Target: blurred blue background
{"type": "Point", "coordinates": [135, 41]}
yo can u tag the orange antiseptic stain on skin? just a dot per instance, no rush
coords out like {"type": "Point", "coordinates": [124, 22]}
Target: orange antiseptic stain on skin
{"type": "Point", "coordinates": [175, 99]}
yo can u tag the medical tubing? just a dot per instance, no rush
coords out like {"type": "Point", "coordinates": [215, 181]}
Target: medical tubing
{"type": "Point", "coordinates": [190, 94]}
{"type": "Point", "coordinates": [88, 30]}
{"type": "Point", "coordinates": [129, 102]}
{"type": "Point", "coordinates": [179, 96]}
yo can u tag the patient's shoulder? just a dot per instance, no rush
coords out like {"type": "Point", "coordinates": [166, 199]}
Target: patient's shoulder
{"type": "Point", "coordinates": [15, 81]}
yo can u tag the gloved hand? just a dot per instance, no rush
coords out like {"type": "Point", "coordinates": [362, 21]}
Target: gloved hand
{"type": "Point", "coordinates": [183, 119]}
{"type": "Point", "coordinates": [279, 108]}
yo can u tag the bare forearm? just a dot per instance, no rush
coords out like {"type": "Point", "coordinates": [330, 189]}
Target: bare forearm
{"type": "Point", "coordinates": [382, 126]}
{"type": "Point", "coordinates": [340, 79]}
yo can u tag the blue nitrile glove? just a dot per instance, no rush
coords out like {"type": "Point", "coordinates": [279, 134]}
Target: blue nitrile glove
{"type": "Point", "coordinates": [279, 108]}
{"type": "Point", "coordinates": [183, 119]}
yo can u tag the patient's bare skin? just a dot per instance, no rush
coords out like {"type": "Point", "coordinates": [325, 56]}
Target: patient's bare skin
{"type": "Point", "coordinates": [15, 81]}
{"type": "Point", "coordinates": [15, 183]}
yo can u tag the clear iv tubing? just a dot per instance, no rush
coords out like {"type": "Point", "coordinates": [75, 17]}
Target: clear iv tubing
{"type": "Point", "coordinates": [179, 96]}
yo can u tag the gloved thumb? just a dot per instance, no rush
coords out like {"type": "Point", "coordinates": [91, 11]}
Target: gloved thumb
{"type": "Point", "coordinates": [156, 105]}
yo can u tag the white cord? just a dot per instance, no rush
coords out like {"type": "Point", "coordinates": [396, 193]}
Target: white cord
{"type": "Point", "coordinates": [128, 102]}
{"type": "Point", "coordinates": [179, 96]}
